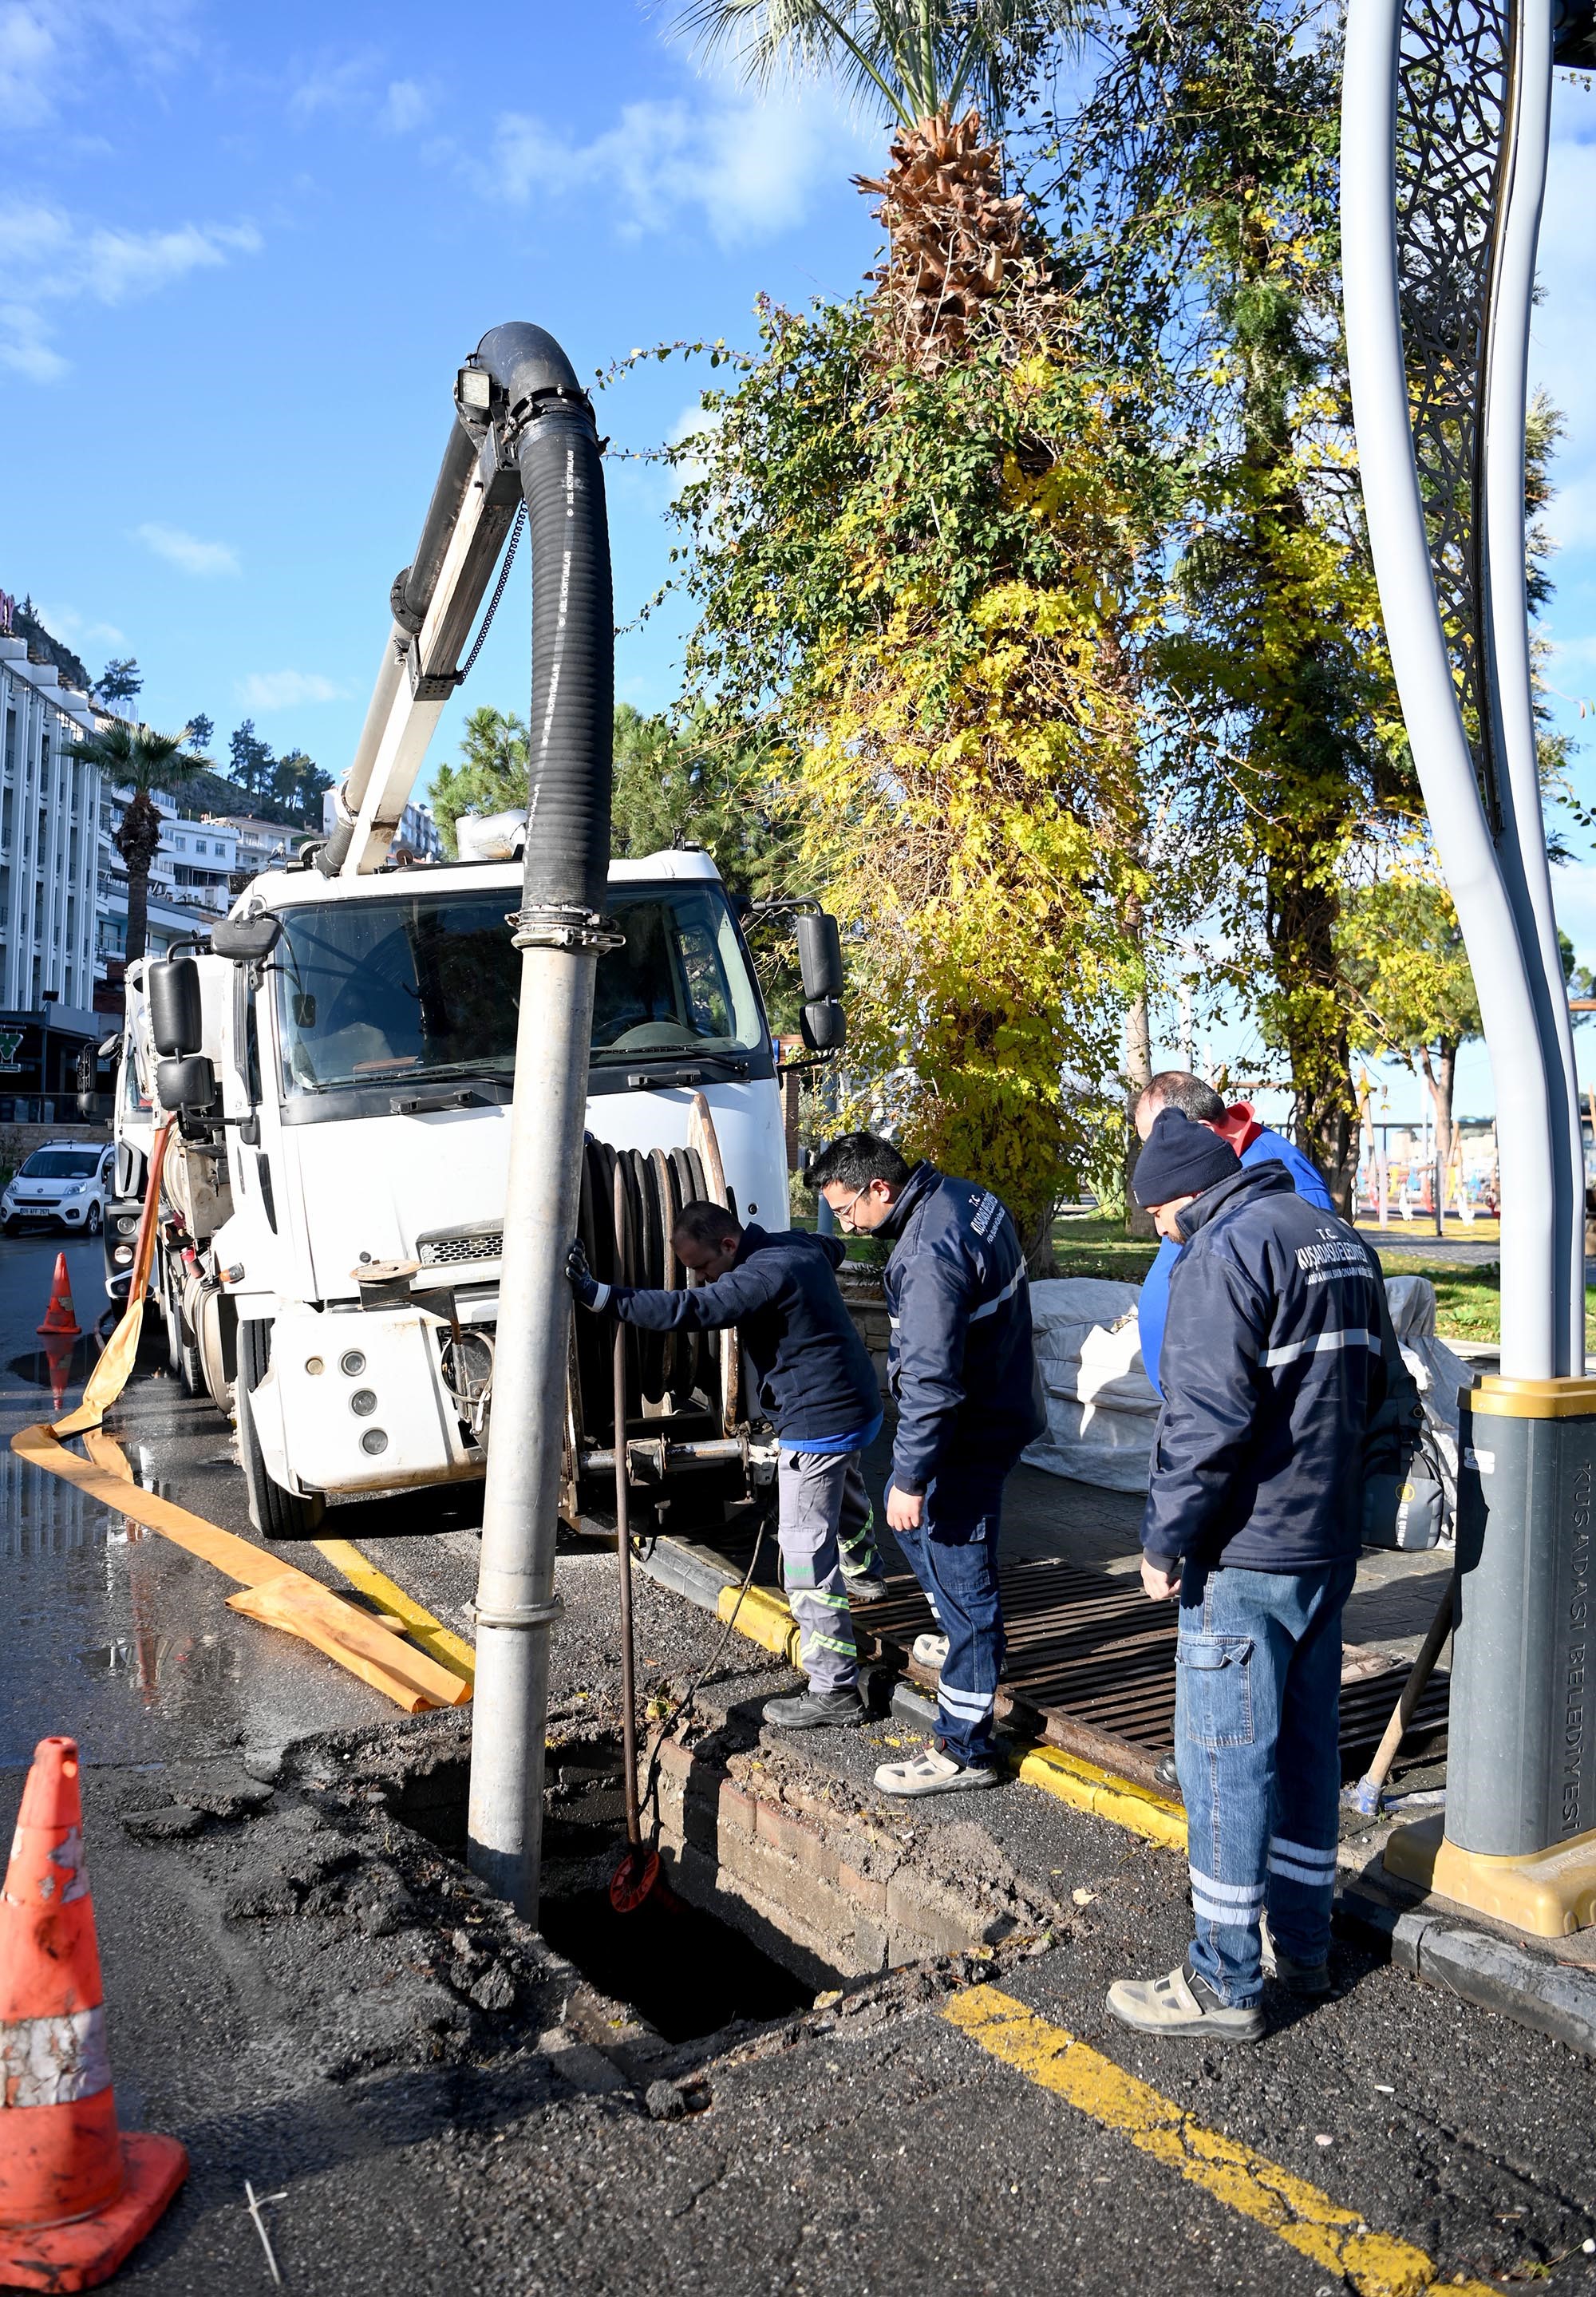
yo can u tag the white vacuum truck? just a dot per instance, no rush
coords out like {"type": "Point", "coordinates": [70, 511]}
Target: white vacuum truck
{"type": "Point", "coordinates": [338, 1057]}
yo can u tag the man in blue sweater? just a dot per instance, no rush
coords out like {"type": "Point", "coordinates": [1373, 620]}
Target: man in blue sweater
{"type": "Point", "coordinates": [1253, 1142]}
{"type": "Point", "coordinates": [818, 1388]}
{"type": "Point", "coordinates": [1278, 1361]}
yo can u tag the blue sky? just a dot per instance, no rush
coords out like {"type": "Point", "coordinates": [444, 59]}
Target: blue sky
{"type": "Point", "coordinates": [244, 250]}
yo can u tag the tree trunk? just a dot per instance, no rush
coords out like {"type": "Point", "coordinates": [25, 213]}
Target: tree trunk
{"type": "Point", "coordinates": [1139, 1075]}
{"type": "Point", "coordinates": [137, 840]}
{"type": "Point", "coordinates": [1440, 1074]}
{"type": "Point", "coordinates": [1314, 1022]}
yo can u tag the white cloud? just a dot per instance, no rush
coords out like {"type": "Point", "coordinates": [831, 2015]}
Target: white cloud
{"type": "Point", "coordinates": [749, 166]}
{"type": "Point", "coordinates": [51, 258]}
{"type": "Point", "coordinates": [285, 689]}
{"type": "Point", "coordinates": [692, 423]}
{"type": "Point", "coordinates": [53, 52]}
{"type": "Point", "coordinates": [68, 623]}
{"type": "Point", "coordinates": [333, 83]}
{"type": "Point", "coordinates": [407, 105]}
{"type": "Point", "coordinates": [187, 551]}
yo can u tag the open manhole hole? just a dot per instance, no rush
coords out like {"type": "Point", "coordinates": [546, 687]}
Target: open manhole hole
{"type": "Point", "coordinates": [679, 1966]}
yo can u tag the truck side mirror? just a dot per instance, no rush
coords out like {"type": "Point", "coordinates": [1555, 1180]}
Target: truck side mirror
{"type": "Point", "coordinates": [246, 940]}
{"type": "Point", "coordinates": [87, 1098]}
{"type": "Point", "coordinates": [819, 955]}
{"type": "Point", "coordinates": [188, 1084]}
{"type": "Point", "coordinates": [173, 990]}
{"type": "Point", "coordinates": [824, 1024]}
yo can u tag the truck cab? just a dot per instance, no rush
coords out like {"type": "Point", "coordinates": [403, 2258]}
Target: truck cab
{"type": "Point", "coordinates": [335, 1216]}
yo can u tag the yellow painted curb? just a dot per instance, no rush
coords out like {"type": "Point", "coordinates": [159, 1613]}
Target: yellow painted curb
{"type": "Point", "coordinates": [764, 1616]}
{"type": "Point", "coordinates": [450, 1650]}
{"type": "Point", "coordinates": [1072, 1779]}
{"type": "Point", "coordinates": [1336, 2239]}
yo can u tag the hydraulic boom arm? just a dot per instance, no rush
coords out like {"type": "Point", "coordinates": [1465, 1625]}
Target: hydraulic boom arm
{"type": "Point", "coordinates": [510, 379]}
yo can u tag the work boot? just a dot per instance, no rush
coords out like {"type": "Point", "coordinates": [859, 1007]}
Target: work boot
{"type": "Point", "coordinates": [1166, 1775]}
{"type": "Point", "coordinates": [933, 1772]}
{"type": "Point", "coordinates": [930, 1651]}
{"type": "Point", "coordinates": [864, 1587]}
{"type": "Point", "coordinates": [1184, 2005]}
{"type": "Point", "coordinates": [815, 1711]}
{"type": "Point", "coordinates": [1307, 1978]}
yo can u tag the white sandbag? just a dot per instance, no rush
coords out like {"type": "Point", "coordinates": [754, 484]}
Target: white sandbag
{"type": "Point", "coordinates": [1102, 1408]}
{"type": "Point", "coordinates": [1100, 1403]}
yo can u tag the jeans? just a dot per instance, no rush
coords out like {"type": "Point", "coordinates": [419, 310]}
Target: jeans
{"type": "Point", "coordinates": [1257, 1712]}
{"type": "Point", "coordinates": [954, 1556]}
{"type": "Point", "coordinates": [824, 1511]}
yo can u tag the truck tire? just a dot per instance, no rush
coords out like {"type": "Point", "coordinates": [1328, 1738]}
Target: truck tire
{"type": "Point", "coordinates": [276, 1514]}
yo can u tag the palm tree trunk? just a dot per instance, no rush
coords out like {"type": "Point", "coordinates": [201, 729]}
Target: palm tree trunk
{"type": "Point", "coordinates": [139, 912]}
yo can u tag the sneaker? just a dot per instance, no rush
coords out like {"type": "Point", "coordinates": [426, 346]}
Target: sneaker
{"type": "Point", "coordinates": [1184, 2005]}
{"type": "Point", "coordinates": [865, 1586]}
{"type": "Point", "coordinates": [815, 1711]}
{"type": "Point", "coordinates": [931, 1772]}
{"type": "Point", "coordinates": [930, 1651]}
{"type": "Point", "coordinates": [1308, 1978]}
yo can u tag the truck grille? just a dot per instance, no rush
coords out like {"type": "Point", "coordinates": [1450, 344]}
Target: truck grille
{"type": "Point", "coordinates": [448, 1250]}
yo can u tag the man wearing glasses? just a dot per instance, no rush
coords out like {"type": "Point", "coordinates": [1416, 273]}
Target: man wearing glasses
{"type": "Point", "coordinates": [963, 1372]}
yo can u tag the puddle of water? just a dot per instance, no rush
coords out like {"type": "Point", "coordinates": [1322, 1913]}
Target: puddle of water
{"type": "Point", "coordinates": [42, 1368]}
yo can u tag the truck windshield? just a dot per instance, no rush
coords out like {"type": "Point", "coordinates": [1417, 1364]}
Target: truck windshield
{"type": "Point", "coordinates": [428, 985]}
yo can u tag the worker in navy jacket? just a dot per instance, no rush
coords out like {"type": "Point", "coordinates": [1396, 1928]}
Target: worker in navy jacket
{"type": "Point", "coordinates": [963, 1374]}
{"type": "Point", "coordinates": [818, 1388]}
{"type": "Point", "coordinates": [1253, 1142]}
{"type": "Point", "coordinates": [1276, 1359]}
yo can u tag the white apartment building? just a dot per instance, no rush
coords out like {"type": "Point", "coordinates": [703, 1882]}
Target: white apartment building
{"type": "Point", "coordinates": [263, 845]}
{"type": "Point", "coordinates": [188, 877]}
{"type": "Point", "coordinates": [49, 826]}
{"type": "Point", "coordinates": [419, 837]}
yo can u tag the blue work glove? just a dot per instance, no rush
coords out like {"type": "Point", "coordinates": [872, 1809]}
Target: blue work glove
{"type": "Point", "coordinates": [588, 1290]}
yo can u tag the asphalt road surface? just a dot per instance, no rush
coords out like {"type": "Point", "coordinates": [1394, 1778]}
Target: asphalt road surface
{"type": "Point", "coordinates": [312, 1997]}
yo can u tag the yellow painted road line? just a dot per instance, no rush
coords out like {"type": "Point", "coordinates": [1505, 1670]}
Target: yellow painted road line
{"type": "Point", "coordinates": [1372, 2264]}
{"type": "Point", "coordinates": [450, 1650]}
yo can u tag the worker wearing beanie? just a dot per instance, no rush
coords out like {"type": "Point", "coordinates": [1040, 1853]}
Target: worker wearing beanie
{"type": "Point", "coordinates": [1277, 1359]}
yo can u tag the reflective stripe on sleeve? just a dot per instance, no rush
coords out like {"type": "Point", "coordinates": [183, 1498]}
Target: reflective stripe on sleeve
{"type": "Point", "coordinates": [1322, 1343]}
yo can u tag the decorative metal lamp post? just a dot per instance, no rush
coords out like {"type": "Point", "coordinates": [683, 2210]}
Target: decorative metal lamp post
{"type": "Point", "coordinates": [1445, 130]}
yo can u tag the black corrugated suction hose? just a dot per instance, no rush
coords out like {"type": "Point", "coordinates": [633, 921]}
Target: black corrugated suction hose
{"type": "Point", "coordinates": [574, 662]}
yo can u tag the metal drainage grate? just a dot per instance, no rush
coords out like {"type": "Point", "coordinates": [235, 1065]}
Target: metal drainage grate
{"type": "Point", "coordinates": [447, 1251]}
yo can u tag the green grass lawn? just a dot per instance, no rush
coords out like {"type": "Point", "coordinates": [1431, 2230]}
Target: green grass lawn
{"type": "Point", "coordinates": [1468, 1300]}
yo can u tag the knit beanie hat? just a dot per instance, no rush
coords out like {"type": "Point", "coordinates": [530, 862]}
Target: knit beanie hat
{"type": "Point", "coordinates": [1180, 1158]}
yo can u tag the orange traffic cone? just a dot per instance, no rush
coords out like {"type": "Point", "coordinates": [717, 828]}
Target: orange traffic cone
{"type": "Point", "coordinates": [75, 2196]}
{"type": "Point", "coordinates": [58, 1354]}
{"type": "Point", "coordinates": [58, 1316]}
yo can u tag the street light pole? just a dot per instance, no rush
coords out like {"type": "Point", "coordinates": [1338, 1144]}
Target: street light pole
{"type": "Point", "coordinates": [1444, 130]}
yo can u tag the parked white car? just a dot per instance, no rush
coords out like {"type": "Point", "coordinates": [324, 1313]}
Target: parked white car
{"type": "Point", "coordinates": [67, 1183]}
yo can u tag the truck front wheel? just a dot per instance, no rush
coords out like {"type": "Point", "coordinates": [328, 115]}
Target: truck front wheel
{"type": "Point", "coordinates": [276, 1514]}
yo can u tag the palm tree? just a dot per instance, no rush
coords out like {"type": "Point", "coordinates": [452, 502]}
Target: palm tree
{"type": "Point", "coordinates": [137, 756]}
{"type": "Point", "coordinates": [953, 234]}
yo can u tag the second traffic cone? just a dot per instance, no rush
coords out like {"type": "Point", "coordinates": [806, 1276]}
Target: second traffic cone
{"type": "Point", "coordinates": [76, 2195]}
{"type": "Point", "coordinates": [59, 1318]}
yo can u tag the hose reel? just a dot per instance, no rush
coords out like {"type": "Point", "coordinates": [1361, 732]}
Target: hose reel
{"type": "Point", "coordinates": [631, 1201]}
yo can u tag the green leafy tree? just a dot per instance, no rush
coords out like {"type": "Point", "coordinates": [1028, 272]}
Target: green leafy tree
{"type": "Point", "coordinates": [252, 760]}
{"type": "Point", "coordinates": [1410, 988]}
{"type": "Point", "coordinates": [140, 761]}
{"type": "Point", "coordinates": [199, 730]}
{"type": "Point", "coordinates": [121, 681]}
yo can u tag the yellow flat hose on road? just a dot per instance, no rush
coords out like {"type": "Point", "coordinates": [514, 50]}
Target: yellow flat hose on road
{"type": "Point", "coordinates": [273, 1591]}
